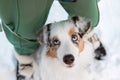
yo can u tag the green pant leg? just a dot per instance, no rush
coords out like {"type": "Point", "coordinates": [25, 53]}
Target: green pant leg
{"type": "Point", "coordinates": [21, 19]}
{"type": "Point", "coordinates": [84, 8]}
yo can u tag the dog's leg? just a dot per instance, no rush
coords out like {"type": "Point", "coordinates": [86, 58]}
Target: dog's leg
{"type": "Point", "coordinates": [24, 66]}
{"type": "Point", "coordinates": [100, 51]}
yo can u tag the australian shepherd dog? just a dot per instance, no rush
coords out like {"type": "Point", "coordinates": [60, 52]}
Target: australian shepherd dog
{"type": "Point", "coordinates": [66, 51]}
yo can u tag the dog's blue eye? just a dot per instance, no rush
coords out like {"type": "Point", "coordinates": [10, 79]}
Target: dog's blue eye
{"type": "Point", "coordinates": [74, 38]}
{"type": "Point", "coordinates": [56, 42]}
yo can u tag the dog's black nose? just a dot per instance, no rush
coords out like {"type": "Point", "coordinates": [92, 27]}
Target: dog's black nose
{"type": "Point", "coordinates": [68, 59]}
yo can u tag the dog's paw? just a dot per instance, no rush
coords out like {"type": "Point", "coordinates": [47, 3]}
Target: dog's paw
{"type": "Point", "coordinates": [21, 77]}
{"type": "Point", "coordinates": [100, 52]}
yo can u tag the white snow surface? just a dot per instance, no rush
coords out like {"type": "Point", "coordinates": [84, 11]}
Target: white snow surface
{"type": "Point", "coordinates": [108, 30]}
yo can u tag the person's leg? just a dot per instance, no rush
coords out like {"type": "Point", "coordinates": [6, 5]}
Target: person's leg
{"type": "Point", "coordinates": [20, 21]}
{"type": "Point", "coordinates": [84, 8]}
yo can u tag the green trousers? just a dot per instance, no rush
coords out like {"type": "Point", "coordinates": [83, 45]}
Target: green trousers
{"type": "Point", "coordinates": [22, 18]}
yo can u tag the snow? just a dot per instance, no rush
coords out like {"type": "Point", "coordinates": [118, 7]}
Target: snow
{"type": "Point", "coordinates": [7, 60]}
{"type": "Point", "coordinates": [108, 30]}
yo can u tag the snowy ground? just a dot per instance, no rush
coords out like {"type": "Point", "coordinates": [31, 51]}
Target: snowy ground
{"type": "Point", "coordinates": [108, 30]}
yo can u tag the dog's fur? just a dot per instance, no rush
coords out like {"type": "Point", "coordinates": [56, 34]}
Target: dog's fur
{"type": "Point", "coordinates": [65, 52]}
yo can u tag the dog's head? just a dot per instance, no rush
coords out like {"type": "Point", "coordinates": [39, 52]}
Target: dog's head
{"type": "Point", "coordinates": [64, 40]}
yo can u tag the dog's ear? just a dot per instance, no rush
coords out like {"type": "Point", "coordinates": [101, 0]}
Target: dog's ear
{"type": "Point", "coordinates": [83, 24]}
{"type": "Point", "coordinates": [43, 34]}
